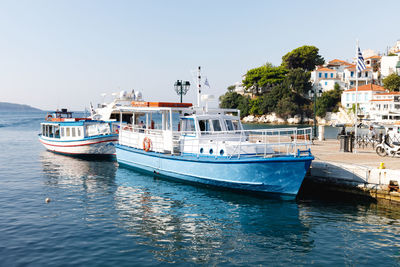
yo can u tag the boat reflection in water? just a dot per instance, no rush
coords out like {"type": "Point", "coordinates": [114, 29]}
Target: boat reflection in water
{"type": "Point", "coordinates": [201, 225]}
{"type": "Point", "coordinates": [92, 174]}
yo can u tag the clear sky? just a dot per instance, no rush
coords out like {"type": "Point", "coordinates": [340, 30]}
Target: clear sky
{"type": "Point", "coordinates": [56, 54]}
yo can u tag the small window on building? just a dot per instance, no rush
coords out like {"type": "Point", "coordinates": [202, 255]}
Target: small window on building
{"type": "Point", "coordinates": [320, 74]}
{"type": "Point", "coordinates": [366, 74]}
{"type": "Point", "coordinates": [347, 97]}
{"type": "Point", "coordinates": [326, 83]}
{"type": "Point", "coordinates": [326, 75]}
{"type": "Point", "coordinates": [352, 74]}
{"type": "Point", "coordinates": [331, 75]}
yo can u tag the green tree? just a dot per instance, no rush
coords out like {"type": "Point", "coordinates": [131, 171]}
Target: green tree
{"type": "Point", "coordinates": [305, 57]}
{"type": "Point", "coordinates": [392, 82]}
{"type": "Point", "coordinates": [256, 107]}
{"type": "Point", "coordinates": [230, 100]}
{"type": "Point", "coordinates": [262, 79]}
{"type": "Point", "coordinates": [329, 101]}
{"type": "Point", "coordinates": [231, 88]}
{"type": "Point", "coordinates": [244, 106]}
{"type": "Point", "coordinates": [298, 81]}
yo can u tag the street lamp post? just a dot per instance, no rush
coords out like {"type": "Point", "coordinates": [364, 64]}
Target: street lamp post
{"type": "Point", "coordinates": [314, 93]}
{"type": "Point", "coordinates": [181, 87]}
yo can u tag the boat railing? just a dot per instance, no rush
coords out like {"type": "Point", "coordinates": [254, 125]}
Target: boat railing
{"type": "Point", "coordinates": [266, 142]}
{"type": "Point", "coordinates": [237, 143]}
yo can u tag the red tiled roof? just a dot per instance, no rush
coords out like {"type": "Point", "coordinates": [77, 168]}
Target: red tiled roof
{"type": "Point", "coordinates": [391, 100]}
{"type": "Point", "coordinates": [391, 93]}
{"type": "Point", "coordinates": [354, 67]}
{"type": "Point", "coordinates": [340, 62]}
{"type": "Point", "coordinates": [368, 87]}
{"type": "Point", "coordinates": [377, 57]}
{"type": "Point", "coordinates": [325, 69]}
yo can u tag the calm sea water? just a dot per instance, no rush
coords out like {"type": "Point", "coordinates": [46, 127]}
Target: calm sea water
{"type": "Point", "coordinates": [102, 215]}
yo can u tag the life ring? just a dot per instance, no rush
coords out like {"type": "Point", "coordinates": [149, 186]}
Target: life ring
{"type": "Point", "coordinates": [146, 144]}
{"type": "Point", "coordinates": [49, 117]}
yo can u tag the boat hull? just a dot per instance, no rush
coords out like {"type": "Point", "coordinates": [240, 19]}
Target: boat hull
{"type": "Point", "coordinates": [101, 145]}
{"type": "Point", "coordinates": [280, 175]}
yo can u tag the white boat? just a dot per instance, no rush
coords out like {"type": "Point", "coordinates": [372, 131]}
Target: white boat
{"type": "Point", "coordinates": [209, 146]}
{"type": "Point", "coordinates": [61, 133]}
{"type": "Point", "coordinates": [110, 111]}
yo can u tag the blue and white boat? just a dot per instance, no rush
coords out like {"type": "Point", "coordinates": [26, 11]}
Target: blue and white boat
{"type": "Point", "coordinates": [61, 133]}
{"type": "Point", "coordinates": [210, 146]}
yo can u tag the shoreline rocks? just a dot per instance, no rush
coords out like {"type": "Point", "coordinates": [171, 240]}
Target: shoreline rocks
{"type": "Point", "coordinates": [340, 117]}
{"type": "Point", "coordinates": [275, 119]}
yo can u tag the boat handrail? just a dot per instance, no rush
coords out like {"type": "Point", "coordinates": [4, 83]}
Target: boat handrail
{"type": "Point", "coordinates": [277, 141]}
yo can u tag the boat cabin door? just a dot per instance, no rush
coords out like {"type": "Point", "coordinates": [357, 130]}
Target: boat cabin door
{"type": "Point", "coordinates": [188, 137]}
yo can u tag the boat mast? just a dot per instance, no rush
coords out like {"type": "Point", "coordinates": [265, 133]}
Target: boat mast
{"type": "Point", "coordinates": [198, 87]}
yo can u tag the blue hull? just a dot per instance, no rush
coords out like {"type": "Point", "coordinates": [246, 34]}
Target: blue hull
{"type": "Point", "coordinates": [280, 175]}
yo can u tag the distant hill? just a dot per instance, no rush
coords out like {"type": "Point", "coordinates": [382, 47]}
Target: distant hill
{"type": "Point", "coordinates": [4, 106]}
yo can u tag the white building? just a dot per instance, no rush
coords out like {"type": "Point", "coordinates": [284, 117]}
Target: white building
{"type": "Point", "coordinates": [349, 77]}
{"type": "Point", "coordinates": [325, 78]}
{"type": "Point", "coordinates": [374, 62]}
{"type": "Point", "coordinates": [388, 65]}
{"type": "Point", "coordinates": [365, 95]}
{"type": "Point", "coordinates": [385, 107]}
{"type": "Point", "coordinates": [396, 48]}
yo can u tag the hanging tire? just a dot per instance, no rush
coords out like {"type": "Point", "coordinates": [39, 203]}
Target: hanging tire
{"type": "Point", "coordinates": [380, 151]}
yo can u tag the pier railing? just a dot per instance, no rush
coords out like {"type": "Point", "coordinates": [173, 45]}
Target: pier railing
{"type": "Point", "coordinates": [237, 143]}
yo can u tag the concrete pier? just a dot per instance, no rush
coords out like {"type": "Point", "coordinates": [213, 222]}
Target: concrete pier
{"type": "Point", "coordinates": [354, 173]}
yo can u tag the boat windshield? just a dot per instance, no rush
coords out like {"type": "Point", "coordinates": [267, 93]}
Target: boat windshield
{"type": "Point", "coordinates": [232, 125]}
{"type": "Point", "coordinates": [204, 125]}
{"type": "Point", "coordinates": [216, 126]}
{"type": "Point", "coordinates": [188, 125]}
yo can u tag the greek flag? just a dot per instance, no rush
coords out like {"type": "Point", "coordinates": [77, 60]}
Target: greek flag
{"type": "Point", "coordinates": [206, 82]}
{"type": "Point", "coordinates": [360, 62]}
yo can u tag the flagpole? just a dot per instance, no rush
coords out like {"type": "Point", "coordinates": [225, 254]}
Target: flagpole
{"type": "Point", "coordinates": [356, 117]}
{"type": "Point", "coordinates": [198, 87]}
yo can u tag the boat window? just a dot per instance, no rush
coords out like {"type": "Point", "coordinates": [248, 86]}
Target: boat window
{"type": "Point", "coordinates": [204, 125]}
{"type": "Point", "coordinates": [43, 129]}
{"type": "Point", "coordinates": [67, 131]}
{"type": "Point", "coordinates": [50, 131]}
{"type": "Point", "coordinates": [57, 131]}
{"type": "Point", "coordinates": [188, 125]}
{"type": "Point", "coordinates": [62, 132]}
{"type": "Point", "coordinates": [73, 131]}
{"type": "Point", "coordinates": [216, 125]}
{"type": "Point", "coordinates": [236, 125]}
{"type": "Point", "coordinates": [229, 125]}
{"type": "Point", "coordinates": [79, 131]}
